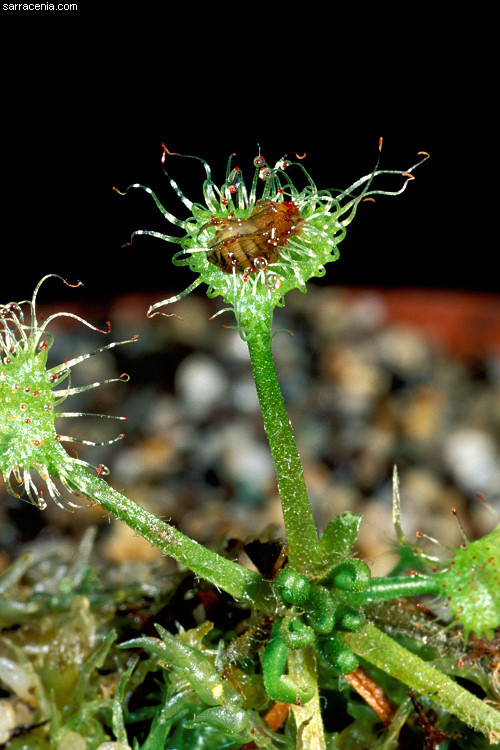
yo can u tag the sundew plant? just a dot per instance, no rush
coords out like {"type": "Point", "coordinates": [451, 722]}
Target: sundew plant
{"type": "Point", "coordinates": [315, 629]}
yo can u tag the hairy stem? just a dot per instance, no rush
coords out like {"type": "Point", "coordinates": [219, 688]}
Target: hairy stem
{"type": "Point", "coordinates": [231, 577]}
{"type": "Point", "coordinates": [385, 653]}
{"type": "Point", "coordinates": [387, 589]}
{"type": "Point", "coordinates": [301, 534]}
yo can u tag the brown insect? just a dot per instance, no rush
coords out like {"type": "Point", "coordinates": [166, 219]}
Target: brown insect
{"type": "Point", "coordinates": [246, 245]}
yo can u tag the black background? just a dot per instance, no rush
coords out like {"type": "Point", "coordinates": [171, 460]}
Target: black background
{"type": "Point", "coordinates": [89, 99]}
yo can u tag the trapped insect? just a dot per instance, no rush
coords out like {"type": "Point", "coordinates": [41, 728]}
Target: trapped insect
{"type": "Point", "coordinates": [251, 244]}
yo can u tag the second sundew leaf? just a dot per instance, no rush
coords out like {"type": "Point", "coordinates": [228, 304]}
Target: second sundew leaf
{"type": "Point", "coordinates": [32, 450]}
{"type": "Point", "coordinates": [470, 584]}
{"type": "Point", "coordinates": [469, 580]}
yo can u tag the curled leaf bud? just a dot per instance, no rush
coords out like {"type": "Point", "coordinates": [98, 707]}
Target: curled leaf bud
{"type": "Point", "coordinates": [351, 619]}
{"type": "Point", "coordinates": [339, 656]}
{"type": "Point", "coordinates": [322, 610]}
{"type": "Point", "coordinates": [293, 587]}
{"type": "Point", "coordinates": [351, 575]}
{"type": "Point", "coordinates": [279, 685]}
{"type": "Point", "coordinates": [296, 634]}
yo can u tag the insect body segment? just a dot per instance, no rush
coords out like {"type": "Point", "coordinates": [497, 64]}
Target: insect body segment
{"type": "Point", "coordinates": [245, 245]}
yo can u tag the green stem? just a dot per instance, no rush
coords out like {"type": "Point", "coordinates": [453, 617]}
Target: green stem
{"type": "Point", "coordinates": [386, 654]}
{"type": "Point", "coordinates": [387, 589]}
{"type": "Point", "coordinates": [301, 534]}
{"type": "Point", "coordinates": [310, 731]}
{"type": "Point", "coordinates": [229, 576]}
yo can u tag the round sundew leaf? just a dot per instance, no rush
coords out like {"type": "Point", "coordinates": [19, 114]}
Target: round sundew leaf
{"type": "Point", "coordinates": [30, 393]}
{"type": "Point", "coordinates": [251, 246]}
{"type": "Point", "coordinates": [471, 585]}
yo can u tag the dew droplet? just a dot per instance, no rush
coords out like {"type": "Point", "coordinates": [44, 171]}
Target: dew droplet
{"type": "Point", "coordinates": [265, 173]}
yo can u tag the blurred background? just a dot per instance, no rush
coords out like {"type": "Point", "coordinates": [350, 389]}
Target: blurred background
{"type": "Point", "coordinates": [395, 356]}
{"type": "Point", "coordinates": [60, 210]}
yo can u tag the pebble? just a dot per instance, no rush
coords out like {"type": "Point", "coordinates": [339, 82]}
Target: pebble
{"type": "Point", "coordinates": [364, 391]}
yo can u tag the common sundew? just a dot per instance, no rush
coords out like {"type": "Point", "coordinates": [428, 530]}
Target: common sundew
{"type": "Point", "coordinates": [251, 244]}
{"type": "Point", "coordinates": [30, 394]}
